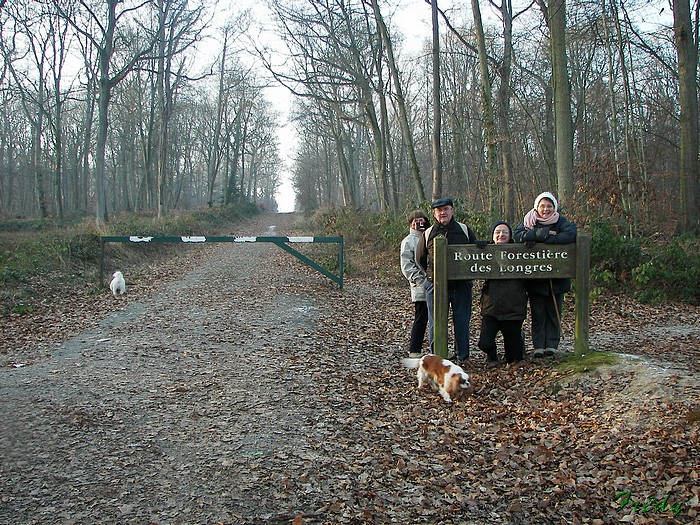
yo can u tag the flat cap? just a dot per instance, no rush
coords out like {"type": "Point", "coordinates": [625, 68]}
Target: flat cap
{"type": "Point", "coordinates": [442, 202]}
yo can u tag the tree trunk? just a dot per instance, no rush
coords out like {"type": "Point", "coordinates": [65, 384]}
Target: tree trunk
{"type": "Point", "coordinates": [493, 184]}
{"type": "Point", "coordinates": [213, 156]}
{"type": "Point", "coordinates": [504, 90]}
{"type": "Point", "coordinates": [406, 134]}
{"type": "Point", "coordinates": [555, 16]}
{"type": "Point", "coordinates": [437, 119]}
{"type": "Point", "coordinates": [687, 49]}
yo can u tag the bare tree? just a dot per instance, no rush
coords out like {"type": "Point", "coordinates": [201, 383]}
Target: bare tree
{"type": "Point", "coordinates": [405, 127]}
{"type": "Point", "coordinates": [487, 108]}
{"type": "Point", "coordinates": [687, 48]}
{"type": "Point", "coordinates": [555, 16]}
{"type": "Point", "coordinates": [437, 109]}
{"type": "Point", "coordinates": [332, 59]}
{"type": "Point", "coordinates": [111, 43]}
{"type": "Point", "coordinates": [32, 88]}
{"type": "Point", "coordinates": [505, 89]}
{"type": "Point", "coordinates": [177, 30]}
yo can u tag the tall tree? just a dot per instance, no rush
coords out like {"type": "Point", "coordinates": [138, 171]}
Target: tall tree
{"type": "Point", "coordinates": [555, 16]}
{"type": "Point", "coordinates": [332, 59]}
{"type": "Point", "coordinates": [487, 110]}
{"type": "Point", "coordinates": [437, 109]}
{"type": "Point", "coordinates": [505, 69]}
{"type": "Point", "coordinates": [32, 88]}
{"type": "Point", "coordinates": [110, 43]}
{"type": "Point", "coordinates": [405, 127]}
{"type": "Point", "coordinates": [177, 31]}
{"type": "Point", "coordinates": [687, 48]}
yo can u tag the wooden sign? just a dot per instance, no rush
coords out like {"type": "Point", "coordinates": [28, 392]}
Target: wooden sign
{"type": "Point", "coordinates": [511, 261]}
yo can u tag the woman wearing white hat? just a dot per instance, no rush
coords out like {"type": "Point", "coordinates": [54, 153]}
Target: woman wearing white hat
{"type": "Point", "coordinates": [544, 224]}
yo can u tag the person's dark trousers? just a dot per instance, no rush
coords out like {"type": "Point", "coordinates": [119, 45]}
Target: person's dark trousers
{"type": "Point", "coordinates": [512, 338]}
{"type": "Point", "coordinates": [487, 337]}
{"type": "Point", "coordinates": [460, 298]}
{"type": "Point", "coordinates": [420, 322]}
{"type": "Point", "coordinates": [545, 321]}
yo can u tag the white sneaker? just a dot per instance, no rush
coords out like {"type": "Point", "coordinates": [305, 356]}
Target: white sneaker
{"type": "Point", "coordinates": [550, 351]}
{"type": "Point", "coordinates": [539, 352]}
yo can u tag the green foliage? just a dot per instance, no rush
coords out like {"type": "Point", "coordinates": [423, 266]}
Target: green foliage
{"type": "Point", "coordinates": [198, 222]}
{"type": "Point", "coordinates": [379, 230]}
{"type": "Point", "coordinates": [655, 269]}
{"type": "Point", "coordinates": [672, 271]}
{"type": "Point", "coordinates": [36, 225]}
{"type": "Point", "coordinates": [612, 253]}
{"type": "Point", "coordinates": [46, 252]}
{"type": "Point", "coordinates": [383, 230]}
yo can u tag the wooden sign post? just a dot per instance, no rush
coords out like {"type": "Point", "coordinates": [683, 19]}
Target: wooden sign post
{"type": "Point", "coordinates": [511, 261]}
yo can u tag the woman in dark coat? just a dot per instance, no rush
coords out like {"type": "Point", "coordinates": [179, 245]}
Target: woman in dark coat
{"type": "Point", "coordinates": [503, 309]}
{"type": "Point", "coordinates": [544, 224]}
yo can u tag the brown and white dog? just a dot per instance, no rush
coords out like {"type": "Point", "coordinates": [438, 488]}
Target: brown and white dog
{"type": "Point", "coordinates": [442, 375]}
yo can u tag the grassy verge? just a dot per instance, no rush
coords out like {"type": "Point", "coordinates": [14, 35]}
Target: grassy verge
{"type": "Point", "coordinates": [35, 251]}
{"type": "Point", "coordinates": [38, 258]}
{"type": "Point", "coordinates": [574, 364]}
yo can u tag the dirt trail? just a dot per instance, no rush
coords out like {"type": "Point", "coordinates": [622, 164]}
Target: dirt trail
{"type": "Point", "coordinates": [177, 408]}
{"type": "Point", "coordinates": [253, 390]}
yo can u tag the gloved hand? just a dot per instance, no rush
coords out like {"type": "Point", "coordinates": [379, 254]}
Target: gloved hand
{"type": "Point", "coordinates": [529, 235]}
{"type": "Point", "coordinates": [530, 244]}
{"type": "Point", "coordinates": [481, 244]}
{"type": "Point", "coordinates": [541, 234]}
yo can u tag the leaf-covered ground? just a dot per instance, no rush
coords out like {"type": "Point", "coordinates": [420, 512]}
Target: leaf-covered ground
{"type": "Point", "coordinates": [235, 385]}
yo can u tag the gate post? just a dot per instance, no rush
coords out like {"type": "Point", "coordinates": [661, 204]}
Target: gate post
{"type": "Point", "coordinates": [102, 262]}
{"type": "Point", "coordinates": [583, 293]}
{"type": "Point", "coordinates": [440, 297]}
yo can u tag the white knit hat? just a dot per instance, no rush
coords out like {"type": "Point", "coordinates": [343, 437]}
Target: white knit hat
{"type": "Point", "coordinates": [547, 195]}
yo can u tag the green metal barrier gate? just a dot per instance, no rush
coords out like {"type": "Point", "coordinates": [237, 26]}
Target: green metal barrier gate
{"type": "Point", "coordinates": [279, 241]}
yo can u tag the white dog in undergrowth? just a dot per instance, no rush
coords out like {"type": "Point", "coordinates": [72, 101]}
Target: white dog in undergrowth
{"type": "Point", "coordinates": [118, 286]}
{"type": "Point", "coordinates": [442, 375]}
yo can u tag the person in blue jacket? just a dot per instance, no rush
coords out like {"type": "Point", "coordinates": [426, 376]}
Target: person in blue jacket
{"type": "Point", "coordinates": [459, 291]}
{"type": "Point", "coordinates": [544, 224]}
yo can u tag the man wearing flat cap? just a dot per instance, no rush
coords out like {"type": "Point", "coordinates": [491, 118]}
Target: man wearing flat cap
{"type": "Point", "coordinates": [459, 292]}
